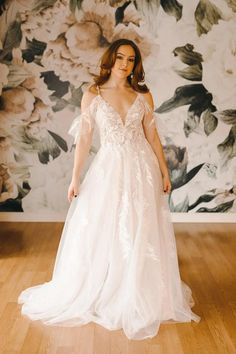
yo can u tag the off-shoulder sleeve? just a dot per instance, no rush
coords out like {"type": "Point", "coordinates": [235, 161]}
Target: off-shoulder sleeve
{"type": "Point", "coordinates": [83, 124]}
{"type": "Point", "coordinates": [154, 120]}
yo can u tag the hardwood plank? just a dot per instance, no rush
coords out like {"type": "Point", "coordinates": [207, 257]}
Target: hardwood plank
{"type": "Point", "coordinates": [218, 330]}
{"type": "Point", "coordinates": [102, 340]}
{"type": "Point", "coordinates": [33, 339]}
{"type": "Point", "coordinates": [207, 259]}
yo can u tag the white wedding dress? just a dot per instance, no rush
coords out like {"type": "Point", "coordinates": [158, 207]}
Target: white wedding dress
{"type": "Point", "coordinates": [117, 261]}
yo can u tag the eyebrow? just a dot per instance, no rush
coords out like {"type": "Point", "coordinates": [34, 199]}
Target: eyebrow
{"type": "Point", "coordinates": [130, 56]}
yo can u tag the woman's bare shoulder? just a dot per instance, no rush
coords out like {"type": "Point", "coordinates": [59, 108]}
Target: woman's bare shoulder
{"type": "Point", "coordinates": [148, 97]}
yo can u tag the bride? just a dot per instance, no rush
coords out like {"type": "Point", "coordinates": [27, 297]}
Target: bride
{"type": "Point", "coordinates": [117, 261]}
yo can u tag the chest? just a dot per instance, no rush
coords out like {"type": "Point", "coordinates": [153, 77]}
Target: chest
{"type": "Point", "coordinates": [107, 114]}
{"type": "Point", "coordinates": [121, 102]}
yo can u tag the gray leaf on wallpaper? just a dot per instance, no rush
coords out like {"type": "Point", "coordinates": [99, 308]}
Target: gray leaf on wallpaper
{"type": "Point", "coordinates": [23, 191]}
{"type": "Point", "coordinates": [173, 8]}
{"type": "Point", "coordinates": [2, 6]}
{"type": "Point", "coordinates": [188, 176]}
{"type": "Point", "coordinates": [26, 139]}
{"type": "Point", "coordinates": [197, 110]}
{"type": "Point", "coordinates": [34, 50]}
{"type": "Point", "coordinates": [222, 208]}
{"type": "Point", "coordinates": [228, 116]}
{"type": "Point", "coordinates": [76, 96]}
{"type": "Point", "coordinates": [187, 55]}
{"type": "Point", "coordinates": [7, 17]}
{"type": "Point", "coordinates": [204, 198]}
{"type": "Point", "coordinates": [215, 200]}
{"type": "Point", "coordinates": [186, 95]}
{"type": "Point", "coordinates": [191, 124]}
{"type": "Point", "coordinates": [59, 103]}
{"type": "Point", "coordinates": [193, 59]}
{"type": "Point", "coordinates": [177, 161]}
{"type": "Point", "coordinates": [181, 207]}
{"type": "Point", "coordinates": [75, 4]}
{"type": "Point", "coordinates": [40, 5]}
{"type": "Point", "coordinates": [53, 82]}
{"type": "Point", "coordinates": [227, 148]}
{"type": "Point", "coordinates": [206, 15]}
{"type": "Point", "coordinates": [44, 155]}
{"type": "Point", "coordinates": [210, 121]}
{"type": "Point", "coordinates": [119, 14]}
{"type": "Point", "coordinates": [12, 39]}
{"type": "Point", "coordinates": [47, 150]}
{"type": "Point", "coordinates": [59, 140]}
{"type": "Point", "coordinates": [192, 73]}
{"type": "Point", "coordinates": [71, 103]}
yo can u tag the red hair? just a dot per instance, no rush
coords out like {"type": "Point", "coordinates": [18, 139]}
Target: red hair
{"type": "Point", "coordinates": [108, 60]}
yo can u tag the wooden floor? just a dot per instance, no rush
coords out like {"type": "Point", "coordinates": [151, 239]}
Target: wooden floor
{"type": "Point", "coordinates": [207, 260]}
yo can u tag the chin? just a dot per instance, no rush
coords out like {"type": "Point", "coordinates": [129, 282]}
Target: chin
{"type": "Point", "coordinates": [121, 74]}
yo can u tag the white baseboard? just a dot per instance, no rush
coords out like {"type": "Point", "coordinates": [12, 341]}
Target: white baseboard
{"type": "Point", "coordinates": [176, 217]}
{"type": "Point", "coordinates": [203, 217]}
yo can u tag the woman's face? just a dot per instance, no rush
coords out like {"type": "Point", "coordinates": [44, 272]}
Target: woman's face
{"type": "Point", "coordinates": [124, 63]}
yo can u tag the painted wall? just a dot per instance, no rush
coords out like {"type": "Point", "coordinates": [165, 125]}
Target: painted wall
{"type": "Point", "coordinates": [49, 53]}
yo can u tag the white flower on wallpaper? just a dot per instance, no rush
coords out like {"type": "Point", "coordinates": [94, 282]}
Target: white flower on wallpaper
{"type": "Point", "coordinates": [50, 51]}
{"type": "Point", "coordinates": [76, 40]}
{"type": "Point", "coordinates": [26, 118]}
{"type": "Point", "coordinates": [218, 48]}
{"type": "Point", "coordinates": [47, 24]}
{"type": "Point", "coordinates": [74, 55]}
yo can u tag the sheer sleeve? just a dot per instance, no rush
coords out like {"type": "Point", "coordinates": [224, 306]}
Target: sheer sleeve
{"type": "Point", "coordinates": [154, 121]}
{"type": "Point", "coordinates": [82, 129]}
{"type": "Point", "coordinates": [82, 126]}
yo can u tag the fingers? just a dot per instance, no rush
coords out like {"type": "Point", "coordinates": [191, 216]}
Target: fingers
{"type": "Point", "coordinates": [167, 188]}
{"type": "Point", "coordinates": [69, 197]}
{"type": "Point", "coordinates": [76, 192]}
{"type": "Point", "coordinates": [72, 193]}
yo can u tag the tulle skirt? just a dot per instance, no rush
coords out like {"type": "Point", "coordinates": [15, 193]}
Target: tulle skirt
{"type": "Point", "coordinates": [117, 261]}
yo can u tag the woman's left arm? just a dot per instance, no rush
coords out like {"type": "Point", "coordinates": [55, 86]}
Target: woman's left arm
{"type": "Point", "coordinates": [155, 142]}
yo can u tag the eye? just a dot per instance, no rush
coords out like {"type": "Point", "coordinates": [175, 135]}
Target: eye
{"type": "Point", "coordinates": [119, 57]}
{"type": "Point", "coordinates": [131, 60]}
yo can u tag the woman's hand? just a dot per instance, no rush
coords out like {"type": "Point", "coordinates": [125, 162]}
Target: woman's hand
{"type": "Point", "coordinates": [166, 184]}
{"type": "Point", "coordinates": [73, 190]}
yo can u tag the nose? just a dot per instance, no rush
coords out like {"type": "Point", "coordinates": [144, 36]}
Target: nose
{"type": "Point", "coordinates": [124, 63]}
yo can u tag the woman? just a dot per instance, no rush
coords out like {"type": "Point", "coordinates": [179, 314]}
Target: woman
{"type": "Point", "coordinates": [117, 262]}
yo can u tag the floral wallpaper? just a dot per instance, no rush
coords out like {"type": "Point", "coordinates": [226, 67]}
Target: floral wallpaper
{"type": "Point", "coordinates": [49, 53]}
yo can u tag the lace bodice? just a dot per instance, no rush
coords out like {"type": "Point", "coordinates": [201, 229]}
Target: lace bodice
{"type": "Point", "coordinates": [113, 130]}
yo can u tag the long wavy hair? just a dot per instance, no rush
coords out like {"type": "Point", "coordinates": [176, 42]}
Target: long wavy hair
{"type": "Point", "coordinates": [108, 60]}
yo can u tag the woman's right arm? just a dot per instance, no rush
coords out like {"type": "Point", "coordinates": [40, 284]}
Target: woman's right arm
{"type": "Point", "coordinates": [83, 143]}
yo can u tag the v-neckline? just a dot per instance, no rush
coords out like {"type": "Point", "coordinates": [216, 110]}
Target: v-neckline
{"type": "Point", "coordinates": [123, 122]}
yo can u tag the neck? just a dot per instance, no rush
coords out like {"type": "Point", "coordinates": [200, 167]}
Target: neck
{"type": "Point", "coordinates": [116, 82]}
